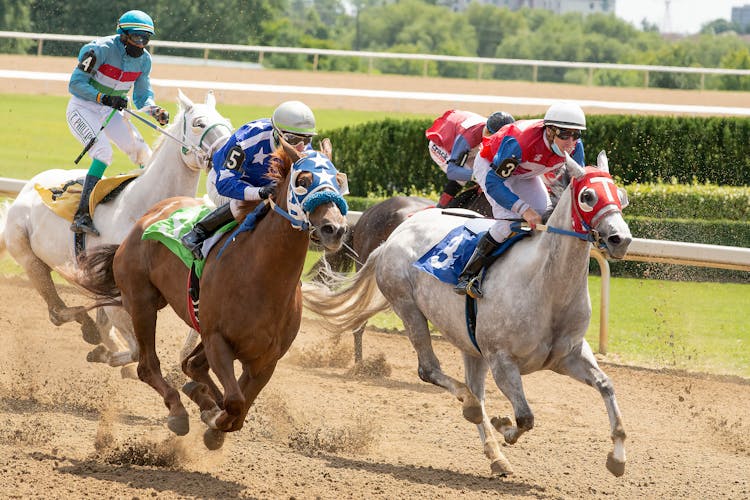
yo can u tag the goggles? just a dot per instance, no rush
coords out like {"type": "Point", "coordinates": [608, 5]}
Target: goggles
{"type": "Point", "coordinates": [139, 38]}
{"type": "Point", "coordinates": [567, 133]}
{"type": "Point", "coordinates": [295, 139]}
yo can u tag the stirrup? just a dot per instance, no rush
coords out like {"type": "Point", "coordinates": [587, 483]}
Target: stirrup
{"type": "Point", "coordinates": [472, 288]}
{"type": "Point", "coordinates": [84, 224]}
{"type": "Point", "coordinates": [193, 241]}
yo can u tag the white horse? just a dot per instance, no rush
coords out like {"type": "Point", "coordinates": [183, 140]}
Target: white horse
{"type": "Point", "coordinates": [39, 240]}
{"type": "Point", "coordinates": [533, 316]}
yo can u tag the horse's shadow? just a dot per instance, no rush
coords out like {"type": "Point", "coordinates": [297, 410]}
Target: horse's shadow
{"type": "Point", "coordinates": [178, 481]}
{"type": "Point", "coordinates": [431, 476]}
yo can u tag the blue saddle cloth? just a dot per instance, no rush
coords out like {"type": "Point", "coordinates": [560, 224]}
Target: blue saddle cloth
{"type": "Point", "coordinates": [449, 256]}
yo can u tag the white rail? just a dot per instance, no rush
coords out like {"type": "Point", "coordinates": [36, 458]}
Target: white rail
{"type": "Point", "coordinates": [644, 250]}
{"type": "Point", "coordinates": [370, 56]}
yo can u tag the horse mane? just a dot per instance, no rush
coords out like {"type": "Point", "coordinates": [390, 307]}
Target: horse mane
{"type": "Point", "coordinates": [279, 166]}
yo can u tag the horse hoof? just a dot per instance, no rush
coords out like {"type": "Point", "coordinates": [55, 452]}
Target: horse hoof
{"type": "Point", "coordinates": [97, 355]}
{"type": "Point", "coordinates": [614, 466]}
{"type": "Point", "coordinates": [213, 439]}
{"type": "Point", "coordinates": [501, 468]}
{"type": "Point", "coordinates": [473, 414]}
{"type": "Point", "coordinates": [501, 424]}
{"type": "Point", "coordinates": [129, 372]}
{"type": "Point", "coordinates": [179, 424]}
{"type": "Point", "coordinates": [91, 333]}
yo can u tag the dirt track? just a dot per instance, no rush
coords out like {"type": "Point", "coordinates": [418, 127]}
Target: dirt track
{"type": "Point", "coordinates": [72, 429]}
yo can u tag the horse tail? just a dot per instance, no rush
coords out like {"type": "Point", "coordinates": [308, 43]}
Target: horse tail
{"type": "Point", "coordinates": [3, 220]}
{"type": "Point", "coordinates": [346, 302]}
{"type": "Point", "coordinates": [95, 272]}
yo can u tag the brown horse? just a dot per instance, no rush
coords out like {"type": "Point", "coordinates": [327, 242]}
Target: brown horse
{"type": "Point", "coordinates": [250, 300]}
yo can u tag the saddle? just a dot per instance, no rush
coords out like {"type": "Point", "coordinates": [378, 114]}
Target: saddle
{"type": "Point", "coordinates": [63, 200]}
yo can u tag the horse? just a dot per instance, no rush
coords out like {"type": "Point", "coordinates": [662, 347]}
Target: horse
{"type": "Point", "coordinates": [40, 240]}
{"type": "Point", "coordinates": [533, 316]}
{"type": "Point", "coordinates": [250, 298]}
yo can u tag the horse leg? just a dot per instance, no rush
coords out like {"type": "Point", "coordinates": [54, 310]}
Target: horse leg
{"type": "Point", "coordinates": [221, 360]}
{"type": "Point", "coordinates": [475, 370]}
{"type": "Point", "coordinates": [581, 365]}
{"type": "Point", "coordinates": [508, 380]}
{"type": "Point", "coordinates": [40, 276]}
{"type": "Point", "coordinates": [429, 366]}
{"type": "Point", "coordinates": [201, 389]}
{"type": "Point", "coordinates": [149, 368]}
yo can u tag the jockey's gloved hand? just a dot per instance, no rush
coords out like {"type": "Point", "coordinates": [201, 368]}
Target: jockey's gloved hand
{"type": "Point", "coordinates": [266, 191]}
{"type": "Point", "coordinates": [114, 101]}
{"type": "Point", "coordinates": [160, 114]}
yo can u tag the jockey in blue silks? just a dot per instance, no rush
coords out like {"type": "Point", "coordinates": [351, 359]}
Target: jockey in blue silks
{"type": "Point", "coordinates": [512, 168]}
{"type": "Point", "coordinates": [240, 166]}
{"type": "Point", "coordinates": [107, 69]}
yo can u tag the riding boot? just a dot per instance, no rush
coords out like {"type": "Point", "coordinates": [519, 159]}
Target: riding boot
{"type": "Point", "coordinates": [467, 280]}
{"type": "Point", "coordinates": [82, 222]}
{"type": "Point", "coordinates": [205, 227]}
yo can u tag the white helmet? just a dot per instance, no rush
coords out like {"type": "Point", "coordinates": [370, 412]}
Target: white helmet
{"type": "Point", "coordinates": [565, 115]}
{"type": "Point", "coordinates": [294, 117]}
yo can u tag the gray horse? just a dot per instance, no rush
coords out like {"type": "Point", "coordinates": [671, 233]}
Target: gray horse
{"type": "Point", "coordinates": [534, 315]}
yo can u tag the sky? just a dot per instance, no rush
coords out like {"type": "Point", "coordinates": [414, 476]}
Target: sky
{"type": "Point", "coordinates": [686, 16]}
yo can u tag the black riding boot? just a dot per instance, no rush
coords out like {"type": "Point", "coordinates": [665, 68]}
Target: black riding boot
{"type": "Point", "coordinates": [467, 283]}
{"type": "Point", "coordinates": [82, 222]}
{"type": "Point", "coordinates": [205, 227]}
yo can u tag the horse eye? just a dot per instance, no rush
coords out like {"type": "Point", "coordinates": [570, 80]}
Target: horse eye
{"type": "Point", "coordinates": [304, 180]}
{"type": "Point", "coordinates": [589, 197]}
{"type": "Point", "coordinates": [199, 122]}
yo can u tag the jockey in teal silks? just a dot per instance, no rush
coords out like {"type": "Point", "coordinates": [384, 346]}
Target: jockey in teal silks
{"type": "Point", "coordinates": [511, 168]}
{"type": "Point", "coordinates": [240, 166]}
{"type": "Point", "coordinates": [107, 69]}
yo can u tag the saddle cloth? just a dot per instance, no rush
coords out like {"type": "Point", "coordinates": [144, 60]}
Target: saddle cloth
{"type": "Point", "coordinates": [449, 256]}
{"type": "Point", "coordinates": [64, 199]}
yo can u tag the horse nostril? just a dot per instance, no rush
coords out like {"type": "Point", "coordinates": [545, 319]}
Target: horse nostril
{"type": "Point", "coordinates": [614, 239]}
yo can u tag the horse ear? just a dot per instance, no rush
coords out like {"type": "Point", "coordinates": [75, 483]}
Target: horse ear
{"type": "Point", "coordinates": [290, 150]}
{"type": "Point", "coordinates": [211, 99]}
{"type": "Point", "coordinates": [326, 148]}
{"type": "Point", "coordinates": [185, 102]}
{"type": "Point", "coordinates": [602, 161]}
{"type": "Point", "coordinates": [623, 195]}
{"type": "Point", "coordinates": [574, 169]}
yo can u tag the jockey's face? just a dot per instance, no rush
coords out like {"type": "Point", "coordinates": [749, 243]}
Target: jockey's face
{"type": "Point", "coordinates": [565, 139]}
{"type": "Point", "coordinates": [299, 142]}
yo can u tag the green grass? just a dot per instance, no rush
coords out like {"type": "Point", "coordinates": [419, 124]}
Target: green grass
{"type": "Point", "coordinates": [36, 129]}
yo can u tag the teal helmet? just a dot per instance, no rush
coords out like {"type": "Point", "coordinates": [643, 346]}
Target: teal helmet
{"type": "Point", "coordinates": [135, 20]}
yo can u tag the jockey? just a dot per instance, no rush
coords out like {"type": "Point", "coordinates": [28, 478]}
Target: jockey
{"type": "Point", "coordinates": [240, 166]}
{"type": "Point", "coordinates": [454, 139]}
{"type": "Point", "coordinates": [510, 169]}
{"type": "Point", "coordinates": [107, 69]}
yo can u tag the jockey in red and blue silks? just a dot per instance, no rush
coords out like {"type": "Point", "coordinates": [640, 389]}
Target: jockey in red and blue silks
{"type": "Point", "coordinates": [239, 168]}
{"type": "Point", "coordinates": [107, 69]}
{"type": "Point", "coordinates": [511, 167]}
{"type": "Point", "coordinates": [454, 140]}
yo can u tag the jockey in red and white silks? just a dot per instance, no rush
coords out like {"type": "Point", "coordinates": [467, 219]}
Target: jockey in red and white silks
{"type": "Point", "coordinates": [518, 187]}
{"type": "Point", "coordinates": [510, 169]}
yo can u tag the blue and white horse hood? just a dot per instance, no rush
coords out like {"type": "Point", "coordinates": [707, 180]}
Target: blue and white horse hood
{"type": "Point", "coordinates": [325, 186]}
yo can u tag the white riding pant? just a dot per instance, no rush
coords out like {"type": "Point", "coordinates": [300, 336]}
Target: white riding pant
{"type": "Point", "coordinates": [530, 189]}
{"type": "Point", "coordinates": [85, 118]}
